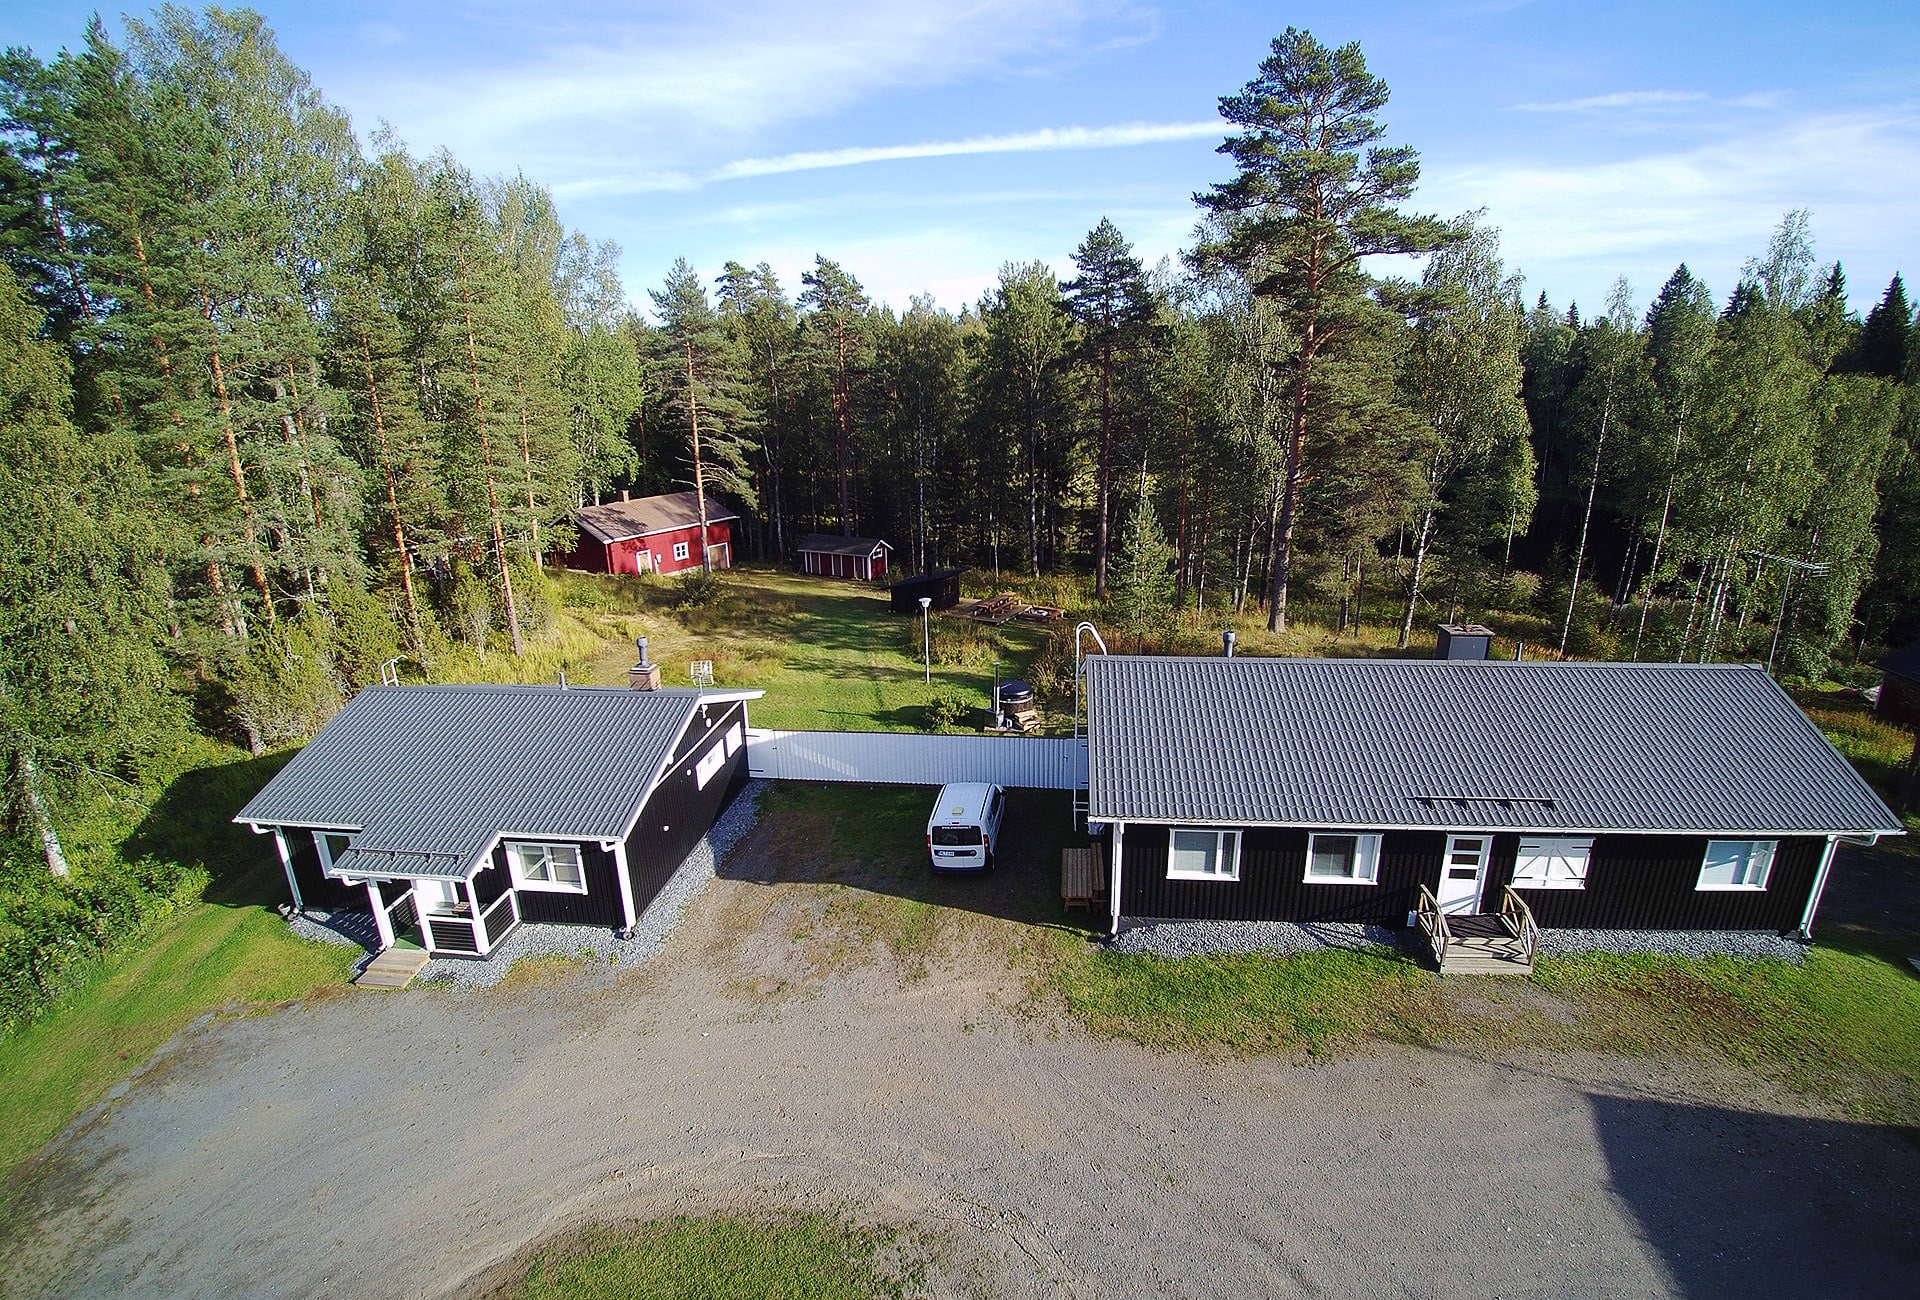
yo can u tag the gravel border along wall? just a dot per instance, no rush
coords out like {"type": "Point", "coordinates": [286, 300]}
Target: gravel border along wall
{"type": "Point", "coordinates": [587, 942]}
{"type": "Point", "coordinates": [1194, 938]}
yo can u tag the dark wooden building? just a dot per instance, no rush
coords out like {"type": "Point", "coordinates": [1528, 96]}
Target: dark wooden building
{"type": "Point", "coordinates": [1899, 703]}
{"type": "Point", "coordinates": [942, 588]}
{"type": "Point", "coordinates": [862, 559]}
{"type": "Point", "coordinates": [1597, 795]}
{"type": "Point", "coordinates": [650, 535]}
{"type": "Point", "coordinates": [455, 813]}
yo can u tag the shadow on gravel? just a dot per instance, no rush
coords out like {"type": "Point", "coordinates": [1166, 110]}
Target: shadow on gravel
{"type": "Point", "coordinates": [873, 838]}
{"type": "Point", "coordinates": [1757, 1206]}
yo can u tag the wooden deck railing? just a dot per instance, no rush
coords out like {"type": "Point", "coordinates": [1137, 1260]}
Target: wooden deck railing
{"type": "Point", "coordinates": [1434, 922]}
{"type": "Point", "coordinates": [1519, 921]}
{"type": "Point", "coordinates": [492, 927]}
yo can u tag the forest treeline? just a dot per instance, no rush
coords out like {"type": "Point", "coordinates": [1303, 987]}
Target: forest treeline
{"type": "Point", "coordinates": [281, 404]}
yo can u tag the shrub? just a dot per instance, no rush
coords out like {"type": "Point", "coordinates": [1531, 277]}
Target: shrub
{"type": "Point", "coordinates": [53, 932]}
{"type": "Point", "coordinates": [947, 707]}
{"type": "Point", "coordinates": [365, 636]}
{"type": "Point", "coordinates": [698, 589]}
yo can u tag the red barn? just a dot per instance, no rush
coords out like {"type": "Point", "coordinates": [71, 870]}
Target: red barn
{"type": "Point", "coordinates": [650, 535]}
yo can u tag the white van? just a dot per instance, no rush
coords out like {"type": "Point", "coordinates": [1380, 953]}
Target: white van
{"type": "Point", "coordinates": [965, 826]}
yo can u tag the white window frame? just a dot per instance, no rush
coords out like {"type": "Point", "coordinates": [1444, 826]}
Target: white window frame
{"type": "Point", "coordinates": [735, 738]}
{"type": "Point", "coordinates": [1366, 858]}
{"type": "Point", "coordinates": [320, 839]}
{"type": "Point", "coordinates": [517, 866]}
{"type": "Point", "coordinates": [709, 765]}
{"type": "Point", "coordinates": [682, 550]}
{"type": "Point", "coordinates": [1226, 853]}
{"type": "Point", "coordinates": [1549, 850]}
{"type": "Point", "coordinates": [1763, 851]}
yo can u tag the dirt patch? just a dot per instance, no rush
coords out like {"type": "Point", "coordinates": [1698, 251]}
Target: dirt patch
{"type": "Point", "coordinates": [421, 1143]}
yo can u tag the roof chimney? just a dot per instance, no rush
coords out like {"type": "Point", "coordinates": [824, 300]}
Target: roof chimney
{"type": "Point", "coordinates": [643, 676]}
{"type": "Point", "coordinates": [623, 494]}
{"type": "Point", "coordinates": [1463, 641]}
{"type": "Point", "coordinates": [1227, 638]}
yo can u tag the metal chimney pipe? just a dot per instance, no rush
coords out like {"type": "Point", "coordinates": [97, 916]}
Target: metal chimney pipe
{"type": "Point", "coordinates": [1519, 651]}
{"type": "Point", "coordinates": [640, 643]}
{"type": "Point", "coordinates": [1227, 638]}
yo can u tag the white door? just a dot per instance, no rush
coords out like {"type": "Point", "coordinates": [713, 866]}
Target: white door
{"type": "Point", "coordinates": [1461, 873]}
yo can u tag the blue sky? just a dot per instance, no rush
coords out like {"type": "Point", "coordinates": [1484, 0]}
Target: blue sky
{"type": "Point", "coordinates": [923, 145]}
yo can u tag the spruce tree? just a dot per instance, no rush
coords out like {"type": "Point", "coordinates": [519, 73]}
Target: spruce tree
{"type": "Point", "coordinates": [698, 370]}
{"type": "Point", "coordinates": [1141, 595]}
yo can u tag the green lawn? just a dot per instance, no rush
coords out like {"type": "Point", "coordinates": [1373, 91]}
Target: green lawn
{"type": "Point", "coordinates": [228, 950]}
{"type": "Point", "coordinates": [830, 655]}
{"type": "Point", "coordinates": [216, 955]}
{"type": "Point", "coordinates": [789, 1257]}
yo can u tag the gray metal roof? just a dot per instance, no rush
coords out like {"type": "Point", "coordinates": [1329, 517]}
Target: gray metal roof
{"type": "Point", "coordinates": [834, 544]}
{"type": "Point", "coordinates": [1382, 743]}
{"type": "Point", "coordinates": [619, 521]}
{"type": "Point", "coordinates": [427, 776]}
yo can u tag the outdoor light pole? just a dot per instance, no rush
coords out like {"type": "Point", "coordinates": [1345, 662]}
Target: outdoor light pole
{"type": "Point", "coordinates": [926, 635]}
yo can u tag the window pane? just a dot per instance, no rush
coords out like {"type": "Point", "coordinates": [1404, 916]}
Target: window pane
{"type": "Point", "coordinates": [1194, 852]}
{"type": "Point", "coordinates": [1725, 862]}
{"type": "Point", "coordinates": [1334, 855]}
{"type": "Point", "coordinates": [564, 864]}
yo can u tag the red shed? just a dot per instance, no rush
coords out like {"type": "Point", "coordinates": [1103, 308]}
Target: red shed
{"type": "Point", "coordinates": [650, 535]}
{"type": "Point", "coordinates": [864, 559]}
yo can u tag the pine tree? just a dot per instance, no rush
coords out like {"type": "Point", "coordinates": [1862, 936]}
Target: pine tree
{"type": "Point", "coordinates": [836, 312]}
{"type": "Point", "coordinates": [1314, 195]}
{"type": "Point", "coordinates": [1110, 301]}
{"type": "Point", "coordinates": [699, 374]}
{"type": "Point", "coordinates": [1023, 401]}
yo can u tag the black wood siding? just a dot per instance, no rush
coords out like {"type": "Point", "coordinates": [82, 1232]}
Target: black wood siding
{"type": "Point", "coordinates": [398, 894]}
{"type": "Point", "coordinates": [1646, 882]}
{"type": "Point", "coordinates": [1634, 882]}
{"type": "Point", "coordinates": [1272, 884]}
{"type": "Point", "coordinates": [679, 812]}
{"type": "Point", "coordinates": [600, 905]}
{"type": "Point", "coordinates": [453, 935]}
{"type": "Point", "coordinates": [316, 890]}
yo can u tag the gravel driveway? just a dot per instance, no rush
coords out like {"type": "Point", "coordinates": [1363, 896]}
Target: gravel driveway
{"type": "Point", "coordinates": [373, 1145]}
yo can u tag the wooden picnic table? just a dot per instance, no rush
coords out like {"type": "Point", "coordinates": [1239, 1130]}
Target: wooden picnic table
{"type": "Point", "coordinates": [1083, 876]}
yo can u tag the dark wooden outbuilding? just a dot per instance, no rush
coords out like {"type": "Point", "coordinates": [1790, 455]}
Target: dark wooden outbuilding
{"type": "Point", "coordinates": [943, 587]}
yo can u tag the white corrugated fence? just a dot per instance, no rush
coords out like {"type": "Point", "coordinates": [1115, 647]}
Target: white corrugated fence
{"type": "Point", "coordinates": [907, 758]}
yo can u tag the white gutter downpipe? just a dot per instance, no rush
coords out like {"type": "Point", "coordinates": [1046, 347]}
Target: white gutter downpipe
{"type": "Point", "coordinates": [1820, 879]}
{"type": "Point", "coordinates": [1113, 885]}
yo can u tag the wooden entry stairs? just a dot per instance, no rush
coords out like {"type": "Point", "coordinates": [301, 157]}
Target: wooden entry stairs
{"type": "Point", "coordinates": [394, 968]}
{"type": "Point", "coordinates": [1497, 943]}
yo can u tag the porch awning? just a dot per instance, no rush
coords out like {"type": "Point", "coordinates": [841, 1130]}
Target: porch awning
{"type": "Point", "coordinates": [360, 864]}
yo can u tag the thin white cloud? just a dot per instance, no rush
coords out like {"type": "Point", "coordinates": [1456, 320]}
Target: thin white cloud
{"type": "Point", "coordinates": [1573, 228]}
{"type": "Point", "coordinates": [653, 97]}
{"type": "Point", "coordinates": [1043, 140]}
{"type": "Point", "coordinates": [1618, 99]}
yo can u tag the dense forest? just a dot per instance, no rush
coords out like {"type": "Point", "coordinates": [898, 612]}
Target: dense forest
{"type": "Point", "coordinates": [281, 403]}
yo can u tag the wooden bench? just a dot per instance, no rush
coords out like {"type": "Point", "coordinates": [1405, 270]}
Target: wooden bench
{"type": "Point", "coordinates": [1083, 876]}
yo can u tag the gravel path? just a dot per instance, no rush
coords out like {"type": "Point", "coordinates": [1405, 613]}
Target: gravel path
{"type": "Point", "coordinates": [401, 1145]}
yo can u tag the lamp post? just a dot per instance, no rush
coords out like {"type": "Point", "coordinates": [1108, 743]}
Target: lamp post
{"type": "Point", "coordinates": [926, 635]}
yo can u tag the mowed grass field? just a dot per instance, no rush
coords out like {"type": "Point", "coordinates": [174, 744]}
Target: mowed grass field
{"type": "Point", "coordinates": [1843, 1027]}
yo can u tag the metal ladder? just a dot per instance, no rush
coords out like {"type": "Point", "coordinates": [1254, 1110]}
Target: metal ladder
{"type": "Point", "coordinates": [1081, 632]}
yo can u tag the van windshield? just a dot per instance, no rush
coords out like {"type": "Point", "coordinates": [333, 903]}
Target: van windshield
{"type": "Point", "coordinates": [956, 835]}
